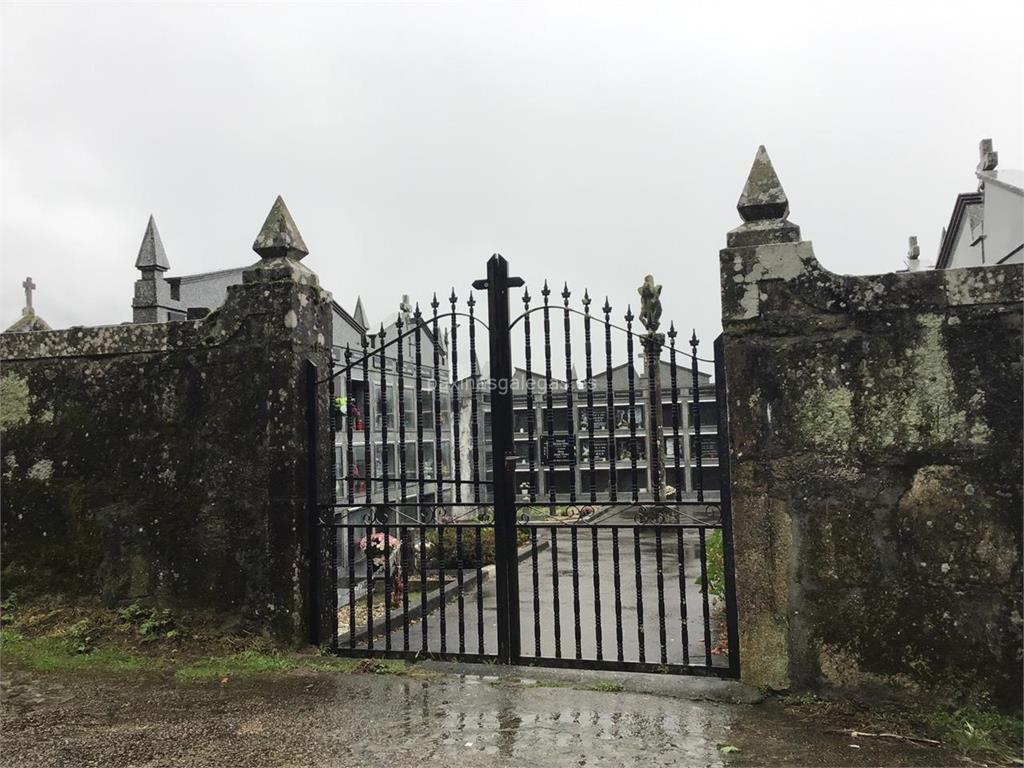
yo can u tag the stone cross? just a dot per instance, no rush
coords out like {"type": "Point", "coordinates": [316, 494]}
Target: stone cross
{"type": "Point", "coordinates": [988, 159]}
{"type": "Point", "coordinates": [913, 254]}
{"type": "Point", "coordinates": [29, 286]}
{"type": "Point", "coordinates": [914, 250]}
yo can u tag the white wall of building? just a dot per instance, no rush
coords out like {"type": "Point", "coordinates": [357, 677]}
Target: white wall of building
{"type": "Point", "coordinates": [1004, 223]}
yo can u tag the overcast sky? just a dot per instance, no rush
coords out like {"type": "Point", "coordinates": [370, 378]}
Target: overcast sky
{"type": "Point", "coordinates": [590, 143]}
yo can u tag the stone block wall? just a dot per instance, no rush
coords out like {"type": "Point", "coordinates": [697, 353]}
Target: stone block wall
{"type": "Point", "coordinates": [876, 452]}
{"type": "Point", "coordinates": [167, 463]}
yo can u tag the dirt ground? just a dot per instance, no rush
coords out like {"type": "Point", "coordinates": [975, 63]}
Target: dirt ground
{"type": "Point", "coordinates": [435, 716]}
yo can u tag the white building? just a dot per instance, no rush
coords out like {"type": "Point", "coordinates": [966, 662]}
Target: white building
{"type": "Point", "coordinates": [987, 226]}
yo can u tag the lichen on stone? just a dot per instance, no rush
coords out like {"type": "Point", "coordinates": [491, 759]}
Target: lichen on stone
{"type": "Point", "coordinates": [42, 470]}
{"type": "Point", "coordinates": [824, 417]}
{"type": "Point", "coordinates": [15, 400]}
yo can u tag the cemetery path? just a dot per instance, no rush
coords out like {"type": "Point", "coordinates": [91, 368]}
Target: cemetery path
{"type": "Point", "coordinates": [437, 718]}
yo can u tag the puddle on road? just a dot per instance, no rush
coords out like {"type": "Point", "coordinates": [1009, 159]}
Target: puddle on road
{"type": "Point", "coordinates": [535, 725]}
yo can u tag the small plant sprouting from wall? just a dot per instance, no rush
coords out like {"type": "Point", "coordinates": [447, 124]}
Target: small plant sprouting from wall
{"type": "Point", "coordinates": [716, 566]}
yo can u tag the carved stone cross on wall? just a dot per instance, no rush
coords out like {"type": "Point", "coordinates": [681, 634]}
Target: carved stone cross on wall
{"type": "Point", "coordinates": [29, 286]}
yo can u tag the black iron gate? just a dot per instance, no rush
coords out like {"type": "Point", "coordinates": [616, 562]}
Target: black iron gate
{"type": "Point", "coordinates": [518, 516]}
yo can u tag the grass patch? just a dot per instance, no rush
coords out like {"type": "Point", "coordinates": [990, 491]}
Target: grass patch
{"type": "Point", "coordinates": [381, 667]}
{"type": "Point", "coordinates": [250, 663]}
{"type": "Point", "coordinates": [607, 686]}
{"type": "Point", "coordinates": [67, 654]}
{"type": "Point", "coordinates": [799, 699]}
{"type": "Point", "coordinates": [552, 684]}
{"type": "Point", "coordinates": [972, 730]}
{"type": "Point", "coordinates": [979, 731]}
{"type": "Point", "coordinates": [54, 636]}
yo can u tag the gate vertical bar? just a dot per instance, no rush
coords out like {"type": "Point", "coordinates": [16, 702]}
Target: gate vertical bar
{"type": "Point", "coordinates": [503, 456]}
{"type": "Point", "coordinates": [725, 483]}
{"type": "Point", "coordinates": [333, 544]}
{"type": "Point", "coordinates": [698, 470]}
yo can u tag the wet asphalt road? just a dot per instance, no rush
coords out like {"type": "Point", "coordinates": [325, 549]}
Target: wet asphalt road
{"type": "Point", "coordinates": [346, 719]}
{"type": "Point", "coordinates": [351, 720]}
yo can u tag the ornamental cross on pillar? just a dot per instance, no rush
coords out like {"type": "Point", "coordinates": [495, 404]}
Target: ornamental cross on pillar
{"type": "Point", "coordinates": [650, 317]}
{"type": "Point", "coordinates": [29, 286]}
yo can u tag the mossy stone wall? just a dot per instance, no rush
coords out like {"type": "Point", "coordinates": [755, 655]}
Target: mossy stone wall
{"type": "Point", "coordinates": [166, 463]}
{"type": "Point", "coordinates": [876, 463]}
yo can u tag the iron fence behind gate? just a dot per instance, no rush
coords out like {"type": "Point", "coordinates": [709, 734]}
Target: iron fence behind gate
{"type": "Point", "coordinates": [520, 516]}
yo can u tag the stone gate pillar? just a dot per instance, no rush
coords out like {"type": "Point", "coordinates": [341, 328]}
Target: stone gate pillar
{"type": "Point", "coordinates": [875, 455]}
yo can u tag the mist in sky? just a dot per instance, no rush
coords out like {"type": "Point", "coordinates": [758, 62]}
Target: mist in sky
{"type": "Point", "coordinates": [588, 143]}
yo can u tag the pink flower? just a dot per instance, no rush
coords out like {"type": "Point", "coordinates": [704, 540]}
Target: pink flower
{"type": "Point", "coordinates": [376, 545]}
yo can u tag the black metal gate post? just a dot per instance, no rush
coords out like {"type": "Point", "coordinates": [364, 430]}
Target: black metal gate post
{"type": "Point", "coordinates": [313, 523]}
{"type": "Point", "coordinates": [503, 455]}
{"type": "Point", "coordinates": [725, 483]}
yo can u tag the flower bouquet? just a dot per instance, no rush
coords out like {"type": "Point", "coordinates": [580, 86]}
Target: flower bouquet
{"type": "Point", "coordinates": [374, 546]}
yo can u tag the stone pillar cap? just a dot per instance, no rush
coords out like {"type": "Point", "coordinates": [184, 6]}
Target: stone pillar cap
{"type": "Point", "coordinates": [762, 197]}
{"type": "Point", "coordinates": [763, 206]}
{"type": "Point", "coordinates": [151, 252]}
{"type": "Point", "coordinates": [279, 237]}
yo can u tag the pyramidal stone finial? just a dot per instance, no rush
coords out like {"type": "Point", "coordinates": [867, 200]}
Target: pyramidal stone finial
{"type": "Point", "coordinates": [763, 197]}
{"type": "Point", "coordinates": [359, 314]}
{"type": "Point", "coordinates": [279, 237]}
{"type": "Point", "coordinates": [151, 252]}
{"type": "Point", "coordinates": [763, 206]}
